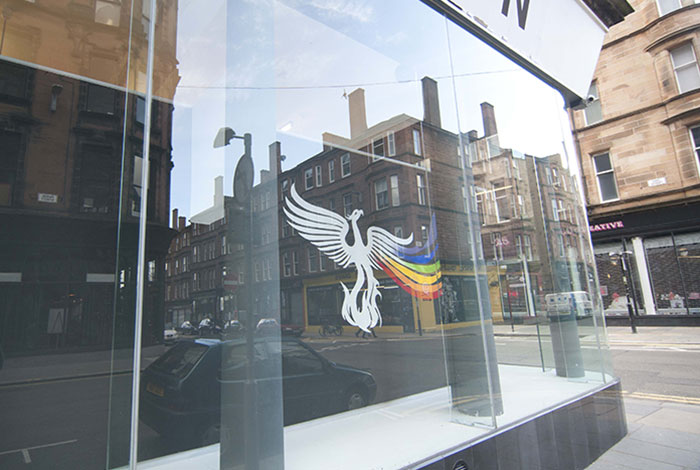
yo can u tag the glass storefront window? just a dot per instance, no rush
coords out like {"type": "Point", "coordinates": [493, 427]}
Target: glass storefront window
{"type": "Point", "coordinates": [281, 234]}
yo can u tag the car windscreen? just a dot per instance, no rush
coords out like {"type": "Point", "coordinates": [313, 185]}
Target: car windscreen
{"type": "Point", "coordinates": [180, 360]}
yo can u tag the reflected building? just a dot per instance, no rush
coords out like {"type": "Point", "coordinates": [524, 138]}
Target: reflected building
{"type": "Point", "coordinates": [519, 197]}
{"type": "Point", "coordinates": [70, 176]}
{"type": "Point", "coordinates": [400, 172]}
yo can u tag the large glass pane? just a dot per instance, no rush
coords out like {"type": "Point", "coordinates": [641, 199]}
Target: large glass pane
{"type": "Point", "coordinates": [311, 254]}
{"type": "Point", "coordinates": [532, 225]}
{"type": "Point", "coordinates": [68, 248]}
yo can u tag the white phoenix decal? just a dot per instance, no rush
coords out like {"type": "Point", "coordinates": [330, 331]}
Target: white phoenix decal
{"type": "Point", "coordinates": [418, 275]}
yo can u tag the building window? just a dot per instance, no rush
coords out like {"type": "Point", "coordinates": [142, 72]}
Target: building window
{"type": "Point", "coordinates": [519, 245]}
{"type": "Point", "coordinates": [555, 211]}
{"type": "Point", "coordinates": [10, 143]}
{"type": "Point", "coordinates": [548, 175]}
{"type": "Point", "coordinates": [605, 174]}
{"type": "Point", "coordinates": [417, 147]}
{"type": "Point", "coordinates": [528, 247]}
{"type": "Point", "coordinates": [685, 65]}
{"type": "Point", "coordinates": [331, 171]}
{"type": "Point", "coordinates": [593, 111]}
{"type": "Point", "coordinates": [309, 178]}
{"type": "Point", "coordinates": [331, 204]}
{"type": "Point", "coordinates": [503, 206]}
{"type": "Point", "coordinates": [521, 206]}
{"type": "Point", "coordinates": [295, 262]}
{"type": "Point", "coordinates": [667, 6]}
{"type": "Point", "coordinates": [223, 244]}
{"type": "Point", "coordinates": [561, 245]}
{"type": "Point", "coordinates": [258, 272]}
{"type": "Point", "coordinates": [347, 204]}
{"type": "Point", "coordinates": [378, 148]}
{"type": "Point", "coordinates": [497, 242]}
{"type": "Point", "coordinates": [107, 12]}
{"type": "Point", "coordinates": [319, 176]}
{"type": "Point", "coordinates": [285, 185]}
{"type": "Point", "coordinates": [100, 99]}
{"type": "Point", "coordinates": [394, 183]}
{"type": "Point", "coordinates": [381, 194]}
{"type": "Point", "coordinates": [321, 261]}
{"type": "Point", "coordinates": [345, 165]}
{"type": "Point", "coordinates": [391, 144]}
{"type": "Point", "coordinates": [268, 269]}
{"type": "Point", "coordinates": [695, 133]}
{"type": "Point", "coordinates": [423, 235]}
{"type": "Point", "coordinates": [420, 181]}
{"type": "Point", "coordinates": [313, 260]}
{"type": "Point", "coordinates": [287, 265]}
{"type": "Point", "coordinates": [13, 81]}
{"type": "Point", "coordinates": [398, 231]}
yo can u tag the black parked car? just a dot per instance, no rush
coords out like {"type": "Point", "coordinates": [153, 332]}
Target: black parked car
{"type": "Point", "coordinates": [181, 390]}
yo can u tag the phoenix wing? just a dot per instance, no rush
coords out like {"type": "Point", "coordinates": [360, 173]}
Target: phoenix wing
{"type": "Point", "coordinates": [325, 229]}
{"type": "Point", "coordinates": [418, 275]}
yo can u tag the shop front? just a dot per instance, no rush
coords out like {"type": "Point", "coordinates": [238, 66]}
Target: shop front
{"type": "Point", "coordinates": [657, 250]}
{"type": "Point", "coordinates": [284, 234]}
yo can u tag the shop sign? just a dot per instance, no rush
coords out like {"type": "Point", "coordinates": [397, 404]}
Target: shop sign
{"type": "Point", "coordinates": [231, 282]}
{"type": "Point", "coordinates": [50, 198]}
{"type": "Point", "coordinates": [656, 182]}
{"type": "Point", "coordinates": [607, 226]}
{"type": "Point", "coordinates": [560, 38]}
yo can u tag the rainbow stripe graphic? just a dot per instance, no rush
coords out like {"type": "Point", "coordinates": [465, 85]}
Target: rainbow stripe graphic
{"type": "Point", "coordinates": [415, 269]}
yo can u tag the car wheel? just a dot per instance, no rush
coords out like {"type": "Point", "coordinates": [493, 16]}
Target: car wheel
{"type": "Point", "coordinates": [355, 398]}
{"type": "Point", "coordinates": [211, 435]}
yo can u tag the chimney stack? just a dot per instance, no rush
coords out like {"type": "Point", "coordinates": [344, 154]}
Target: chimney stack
{"type": "Point", "coordinates": [358, 114]}
{"type": "Point", "coordinates": [181, 223]}
{"type": "Point", "coordinates": [219, 191]}
{"type": "Point", "coordinates": [488, 116]}
{"type": "Point", "coordinates": [173, 224]}
{"type": "Point", "coordinates": [275, 159]}
{"type": "Point", "coordinates": [431, 103]}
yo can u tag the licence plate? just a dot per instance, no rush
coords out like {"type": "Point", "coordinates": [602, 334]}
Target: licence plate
{"type": "Point", "coordinates": [155, 389]}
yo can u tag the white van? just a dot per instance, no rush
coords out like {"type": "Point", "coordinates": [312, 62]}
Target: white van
{"type": "Point", "coordinates": [563, 302]}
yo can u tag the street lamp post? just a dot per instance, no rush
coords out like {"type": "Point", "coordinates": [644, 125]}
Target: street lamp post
{"type": "Point", "coordinates": [242, 189]}
{"type": "Point", "coordinates": [623, 267]}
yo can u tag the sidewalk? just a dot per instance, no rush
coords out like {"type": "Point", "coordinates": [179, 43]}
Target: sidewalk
{"type": "Point", "coordinates": [661, 436]}
{"type": "Point", "coordinates": [52, 367]}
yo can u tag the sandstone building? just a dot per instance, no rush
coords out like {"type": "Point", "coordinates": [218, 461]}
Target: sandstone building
{"type": "Point", "coordinates": [639, 142]}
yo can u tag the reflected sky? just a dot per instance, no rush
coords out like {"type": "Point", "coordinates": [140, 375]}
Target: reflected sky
{"type": "Point", "coordinates": [281, 70]}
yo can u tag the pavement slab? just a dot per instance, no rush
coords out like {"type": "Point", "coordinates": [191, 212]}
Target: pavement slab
{"type": "Point", "coordinates": [661, 435]}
